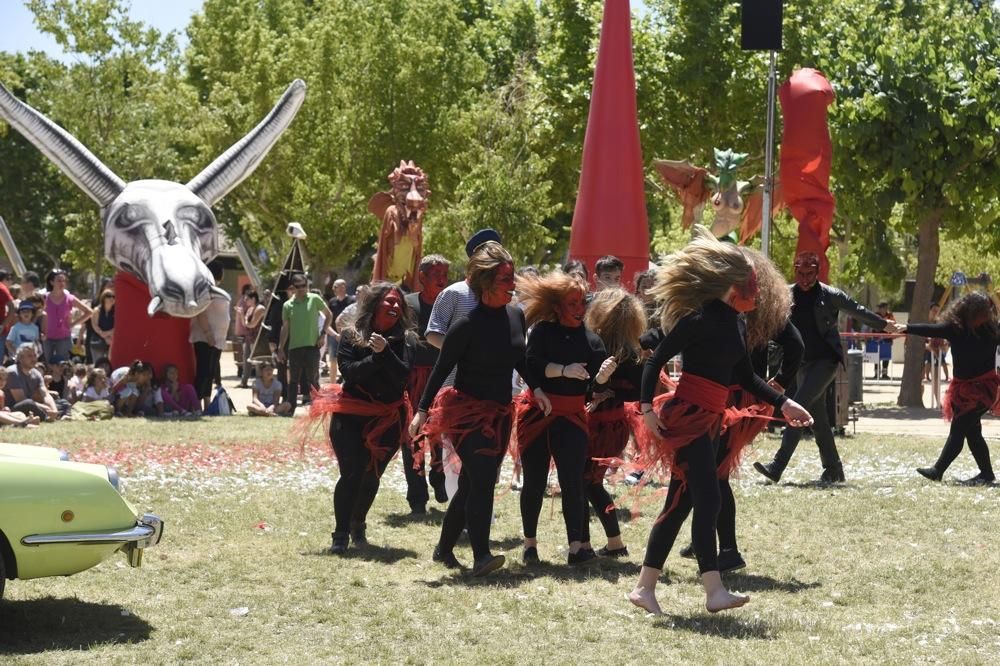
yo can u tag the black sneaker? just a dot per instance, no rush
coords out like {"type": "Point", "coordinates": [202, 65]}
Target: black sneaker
{"type": "Point", "coordinates": [731, 560]}
{"type": "Point", "coordinates": [448, 559]}
{"type": "Point", "coordinates": [687, 552]}
{"type": "Point", "coordinates": [979, 480]}
{"type": "Point", "coordinates": [340, 543]}
{"type": "Point", "coordinates": [581, 557]}
{"type": "Point", "coordinates": [440, 492]}
{"type": "Point", "coordinates": [358, 536]}
{"type": "Point", "coordinates": [488, 564]}
{"type": "Point", "coordinates": [768, 471]}
{"type": "Point", "coordinates": [530, 556]}
{"type": "Point", "coordinates": [832, 475]}
{"type": "Point", "coordinates": [418, 510]}
{"type": "Point", "coordinates": [929, 473]}
{"type": "Point", "coordinates": [613, 553]}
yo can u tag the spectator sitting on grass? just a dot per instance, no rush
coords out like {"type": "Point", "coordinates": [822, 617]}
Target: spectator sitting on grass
{"type": "Point", "coordinates": [267, 394]}
{"type": "Point", "coordinates": [8, 417]}
{"type": "Point", "coordinates": [76, 384]}
{"type": "Point", "coordinates": [177, 399]}
{"type": "Point", "coordinates": [24, 330]}
{"type": "Point", "coordinates": [132, 388]}
{"type": "Point", "coordinates": [97, 386]}
{"type": "Point", "coordinates": [25, 391]}
{"type": "Point", "coordinates": [95, 402]}
{"type": "Point", "coordinates": [55, 376]}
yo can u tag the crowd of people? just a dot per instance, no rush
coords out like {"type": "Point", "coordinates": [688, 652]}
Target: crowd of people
{"type": "Point", "coordinates": [559, 376]}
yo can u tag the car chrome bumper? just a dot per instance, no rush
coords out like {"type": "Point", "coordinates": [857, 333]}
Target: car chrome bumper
{"type": "Point", "coordinates": [147, 532]}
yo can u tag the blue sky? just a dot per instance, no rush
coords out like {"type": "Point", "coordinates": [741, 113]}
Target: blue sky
{"type": "Point", "coordinates": [18, 31]}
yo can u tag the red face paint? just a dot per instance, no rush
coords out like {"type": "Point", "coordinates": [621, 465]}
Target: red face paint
{"type": "Point", "coordinates": [744, 298]}
{"type": "Point", "coordinates": [388, 311]}
{"type": "Point", "coordinates": [433, 281]}
{"type": "Point", "coordinates": [501, 291]}
{"type": "Point", "coordinates": [570, 312]}
{"type": "Point", "coordinates": [806, 270]}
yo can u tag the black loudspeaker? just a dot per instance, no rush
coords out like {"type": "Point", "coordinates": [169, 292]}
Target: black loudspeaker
{"type": "Point", "coordinates": [761, 25]}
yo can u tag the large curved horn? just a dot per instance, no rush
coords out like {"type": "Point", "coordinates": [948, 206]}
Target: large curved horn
{"type": "Point", "coordinates": [79, 164]}
{"type": "Point", "coordinates": [234, 165]}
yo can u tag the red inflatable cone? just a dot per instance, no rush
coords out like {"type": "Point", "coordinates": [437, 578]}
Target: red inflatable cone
{"type": "Point", "coordinates": [610, 214]}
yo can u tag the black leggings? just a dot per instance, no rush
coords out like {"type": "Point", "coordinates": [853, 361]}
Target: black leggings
{"type": "Point", "coordinates": [206, 368]}
{"type": "Point", "coordinates": [726, 524]}
{"type": "Point", "coordinates": [358, 483]}
{"type": "Point", "coordinates": [567, 445]}
{"type": "Point", "coordinates": [969, 427]}
{"type": "Point", "coordinates": [601, 500]}
{"type": "Point", "coordinates": [701, 494]}
{"type": "Point", "coordinates": [472, 504]}
{"type": "Point", "coordinates": [416, 479]}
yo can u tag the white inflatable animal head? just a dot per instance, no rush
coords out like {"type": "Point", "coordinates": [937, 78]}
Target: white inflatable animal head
{"type": "Point", "coordinates": [161, 232]}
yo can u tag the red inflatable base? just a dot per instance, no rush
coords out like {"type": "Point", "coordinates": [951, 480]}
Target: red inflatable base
{"type": "Point", "coordinates": [158, 340]}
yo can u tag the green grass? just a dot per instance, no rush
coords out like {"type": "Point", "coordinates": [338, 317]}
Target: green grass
{"type": "Point", "coordinates": [889, 568]}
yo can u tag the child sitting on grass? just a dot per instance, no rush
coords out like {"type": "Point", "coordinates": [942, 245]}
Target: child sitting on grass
{"type": "Point", "coordinates": [95, 400]}
{"type": "Point", "coordinates": [8, 417]}
{"type": "Point", "coordinates": [267, 394]}
{"type": "Point", "coordinates": [132, 386]}
{"type": "Point", "coordinates": [178, 399]}
{"type": "Point", "coordinates": [76, 384]}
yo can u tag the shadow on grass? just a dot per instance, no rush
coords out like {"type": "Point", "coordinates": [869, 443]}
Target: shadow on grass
{"type": "Point", "coordinates": [815, 485]}
{"type": "Point", "coordinates": [515, 574]}
{"type": "Point", "coordinates": [37, 625]}
{"type": "Point", "coordinates": [433, 515]}
{"type": "Point", "coordinates": [720, 626]}
{"type": "Point", "coordinates": [755, 583]}
{"type": "Point", "coordinates": [370, 553]}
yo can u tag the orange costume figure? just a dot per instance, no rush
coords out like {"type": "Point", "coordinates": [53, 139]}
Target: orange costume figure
{"type": "Point", "coordinates": [401, 240]}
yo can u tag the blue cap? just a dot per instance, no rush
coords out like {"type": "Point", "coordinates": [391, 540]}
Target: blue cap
{"type": "Point", "coordinates": [480, 237]}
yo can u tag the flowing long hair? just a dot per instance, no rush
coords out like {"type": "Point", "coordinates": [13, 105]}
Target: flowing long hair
{"type": "Point", "coordinates": [364, 324]}
{"type": "Point", "coordinates": [970, 312]}
{"type": "Point", "coordinates": [703, 270]}
{"type": "Point", "coordinates": [542, 296]}
{"type": "Point", "coordinates": [619, 319]}
{"type": "Point", "coordinates": [483, 265]}
{"type": "Point", "coordinates": [774, 303]}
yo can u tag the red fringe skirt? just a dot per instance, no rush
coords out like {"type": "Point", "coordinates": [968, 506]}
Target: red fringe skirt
{"type": "Point", "coordinates": [331, 399]}
{"type": "Point", "coordinates": [966, 395]}
{"type": "Point", "coordinates": [457, 414]}
{"type": "Point", "coordinates": [744, 419]}
{"type": "Point", "coordinates": [530, 422]}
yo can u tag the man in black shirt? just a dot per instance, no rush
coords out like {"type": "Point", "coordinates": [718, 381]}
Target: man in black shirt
{"type": "Point", "coordinates": [337, 305]}
{"type": "Point", "coordinates": [815, 310]}
{"type": "Point", "coordinates": [432, 275]}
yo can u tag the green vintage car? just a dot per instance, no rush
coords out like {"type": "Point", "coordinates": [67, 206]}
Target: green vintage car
{"type": "Point", "coordinates": [59, 517]}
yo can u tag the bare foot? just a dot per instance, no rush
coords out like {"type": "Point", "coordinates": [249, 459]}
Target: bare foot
{"type": "Point", "coordinates": [645, 598]}
{"type": "Point", "coordinates": [723, 599]}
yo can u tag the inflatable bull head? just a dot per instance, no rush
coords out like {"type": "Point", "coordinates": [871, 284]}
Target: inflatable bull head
{"type": "Point", "coordinates": [161, 232]}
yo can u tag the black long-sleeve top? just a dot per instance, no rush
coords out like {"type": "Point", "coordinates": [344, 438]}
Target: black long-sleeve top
{"type": "Point", "coordinates": [550, 342]}
{"type": "Point", "coordinates": [974, 352]}
{"type": "Point", "coordinates": [378, 377]}
{"type": "Point", "coordinates": [625, 382]}
{"type": "Point", "coordinates": [792, 347]}
{"type": "Point", "coordinates": [713, 342]}
{"type": "Point", "coordinates": [487, 345]}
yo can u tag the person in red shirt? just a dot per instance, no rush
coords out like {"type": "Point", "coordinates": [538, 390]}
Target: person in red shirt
{"type": "Point", "coordinates": [7, 310]}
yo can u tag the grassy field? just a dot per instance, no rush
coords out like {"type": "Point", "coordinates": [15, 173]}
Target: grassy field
{"type": "Point", "coordinates": [888, 568]}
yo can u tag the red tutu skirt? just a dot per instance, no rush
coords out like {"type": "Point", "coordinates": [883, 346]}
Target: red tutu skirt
{"type": "Point", "coordinates": [744, 419]}
{"type": "Point", "coordinates": [966, 395]}
{"type": "Point", "coordinates": [530, 422]}
{"type": "Point", "coordinates": [331, 399]}
{"type": "Point", "coordinates": [606, 441]}
{"type": "Point", "coordinates": [457, 414]}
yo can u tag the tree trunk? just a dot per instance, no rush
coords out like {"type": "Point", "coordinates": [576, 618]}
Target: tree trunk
{"type": "Point", "coordinates": [911, 393]}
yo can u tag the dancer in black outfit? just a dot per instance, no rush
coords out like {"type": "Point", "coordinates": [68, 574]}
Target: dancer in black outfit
{"type": "Point", "coordinates": [566, 361]}
{"type": "Point", "coordinates": [970, 325]}
{"type": "Point", "coordinates": [703, 288]}
{"type": "Point", "coordinates": [487, 345]}
{"type": "Point", "coordinates": [618, 318]}
{"type": "Point", "coordinates": [768, 322]}
{"type": "Point", "coordinates": [815, 309]}
{"type": "Point", "coordinates": [370, 410]}
{"type": "Point", "coordinates": [433, 275]}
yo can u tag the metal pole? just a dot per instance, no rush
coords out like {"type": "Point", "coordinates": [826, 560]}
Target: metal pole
{"type": "Point", "coordinates": [765, 233]}
{"type": "Point", "coordinates": [248, 265]}
{"type": "Point", "coordinates": [16, 262]}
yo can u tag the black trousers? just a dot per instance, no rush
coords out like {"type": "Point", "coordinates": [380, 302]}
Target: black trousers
{"type": "Point", "coordinates": [206, 368]}
{"type": "Point", "coordinates": [813, 379]}
{"type": "Point", "coordinates": [416, 478]}
{"type": "Point", "coordinates": [600, 499]}
{"type": "Point", "coordinates": [567, 445]}
{"type": "Point", "coordinates": [726, 523]}
{"type": "Point", "coordinates": [472, 504]}
{"type": "Point", "coordinates": [700, 494]}
{"type": "Point", "coordinates": [303, 373]}
{"type": "Point", "coordinates": [359, 477]}
{"type": "Point", "coordinates": [967, 427]}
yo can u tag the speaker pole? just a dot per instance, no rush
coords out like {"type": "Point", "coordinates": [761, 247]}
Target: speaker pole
{"type": "Point", "coordinates": [765, 233]}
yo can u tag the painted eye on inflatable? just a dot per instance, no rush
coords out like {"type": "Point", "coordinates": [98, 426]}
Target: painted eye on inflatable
{"type": "Point", "coordinates": [201, 218]}
{"type": "Point", "coordinates": [130, 216]}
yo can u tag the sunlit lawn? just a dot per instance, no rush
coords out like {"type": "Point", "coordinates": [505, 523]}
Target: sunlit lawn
{"type": "Point", "coordinates": [887, 569]}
